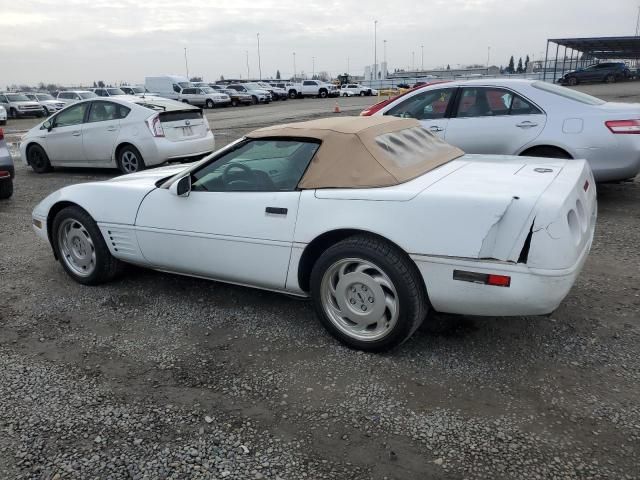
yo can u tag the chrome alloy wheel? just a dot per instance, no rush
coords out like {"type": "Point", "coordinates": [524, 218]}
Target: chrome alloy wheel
{"type": "Point", "coordinates": [130, 163]}
{"type": "Point", "coordinates": [76, 247]}
{"type": "Point", "coordinates": [359, 299]}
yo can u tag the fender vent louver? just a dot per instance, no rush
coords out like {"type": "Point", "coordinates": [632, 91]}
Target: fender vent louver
{"type": "Point", "coordinates": [524, 253]}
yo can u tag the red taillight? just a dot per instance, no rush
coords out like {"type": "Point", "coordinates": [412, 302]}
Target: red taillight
{"type": "Point", "coordinates": [1, 134]}
{"type": "Point", "coordinates": [155, 126]}
{"type": "Point", "coordinates": [624, 126]}
{"type": "Point", "coordinates": [498, 280]}
{"type": "Point", "coordinates": [482, 278]}
{"type": "Point", "coordinates": [4, 174]}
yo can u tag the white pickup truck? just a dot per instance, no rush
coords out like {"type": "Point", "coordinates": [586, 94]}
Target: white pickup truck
{"type": "Point", "coordinates": [312, 88]}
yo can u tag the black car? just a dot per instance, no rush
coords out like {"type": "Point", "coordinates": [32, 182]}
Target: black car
{"type": "Point", "coordinates": [608, 72]}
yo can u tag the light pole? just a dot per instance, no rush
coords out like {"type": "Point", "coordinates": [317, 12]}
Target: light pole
{"type": "Point", "coordinates": [638, 23]}
{"type": "Point", "coordinates": [294, 66]}
{"type": "Point", "coordinates": [422, 63]}
{"type": "Point", "coordinates": [259, 64]}
{"type": "Point", "coordinates": [248, 76]}
{"type": "Point", "coordinates": [313, 67]}
{"type": "Point", "coordinates": [186, 62]}
{"type": "Point", "coordinates": [488, 57]}
{"type": "Point", "coordinates": [413, 61]}
{"type": "Point", "coordinates": [375, 49]}
{"type": "Point", "coordinates": [384, 56]}
{"type": "Point", "coordinates": [347, 72]}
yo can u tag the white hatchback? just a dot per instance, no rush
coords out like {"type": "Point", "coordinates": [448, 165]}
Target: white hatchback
{"type": "Point", "coordinates": [129, 134]}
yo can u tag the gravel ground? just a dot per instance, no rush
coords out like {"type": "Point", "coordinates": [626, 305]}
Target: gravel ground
{"type": "Point", "coordinates": [158, 376]}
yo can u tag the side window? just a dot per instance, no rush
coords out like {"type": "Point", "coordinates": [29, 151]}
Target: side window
{"type": "Point", "coordinates": [103, 111]}
{"type": "Point", "coordinates": [176, 88]}
{"type": "Point", "coordinates": [520, 106]}
{"type": "Point", "coordinates": [71, 116]}
{"type": "Point", "coordinates": [257, 166]}
{"type": "Point", "coordinates": [484, 102]}
{"type": "Point", "coordinates": [308, 82]}
{"type": "Point", "coordinates": [427, 105]}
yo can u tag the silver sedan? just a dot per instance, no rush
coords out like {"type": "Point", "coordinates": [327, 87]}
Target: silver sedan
{"type": "Point", "coordinates": [530, 118]}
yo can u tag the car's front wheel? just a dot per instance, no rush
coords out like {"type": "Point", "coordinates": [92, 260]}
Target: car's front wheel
{"type": "Point", "coordinates": [610, 78]}
{"type": "Point", "coordinates": [210, 103]}
{"type": "Point", "coordinates": [368, 293]}
{"type": "Point", "coordinates": [38, 159]}
{"type": "Point", "coordinates": [130, 160]}
{"type": "Point", "coordinates": [81, 249]}
{"type": "Point", "coordinates": [573, 81]}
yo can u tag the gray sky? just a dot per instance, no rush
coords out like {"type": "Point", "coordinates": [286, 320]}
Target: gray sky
{"type": "Point", "coordinates": [79, 41]}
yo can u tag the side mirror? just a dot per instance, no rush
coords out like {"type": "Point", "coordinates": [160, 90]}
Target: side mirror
{"type": "Point", "coordinates": [48, 125]}
{"type": "Point", "coordinates": [181, 188]}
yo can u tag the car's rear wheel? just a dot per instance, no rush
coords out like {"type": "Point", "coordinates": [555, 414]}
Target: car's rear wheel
{"type": "Point", "coordinates": [130, 160]}
{"type": "Point", "coordinates": [6, 188]}
{"type": "Point", "coordinates": [38, 159]}
{"type": "Point", "coordinates": [323, 94]}
{"type": "Point", "coordinates": [546, 151]}
{"type": "Point", "coordinates": [210, 103]}
{"type": "Point", "coordinates": [13, 113]}
{"type": "Point", "coordinates": [81, 248]}
{"type": "Point", "coordinates": [234, 102]}
{"type": "Point", "coordinates": [367, 293]}
{"type": "Point", "coordinates": [610, 78]}
{"type": "Point", "coordinates": [573, 81]}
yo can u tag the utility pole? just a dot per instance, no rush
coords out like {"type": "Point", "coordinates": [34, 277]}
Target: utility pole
{"type": "Point", "coordinates": [375, 50]}
{"type": "Point", "coordinates": [347, 66]}
{"type": "Point", "coordinates": [422, 63]}
{"type": "Point", "coordinates": [248, 76]}
{"type": "Point", "coordinates": [294, 66]}
{"type": "Point", "coordinates": [638, 23]}
{"type": "Point", "coordinates": [488, 57]}
{"type": "Point", "coordinates": [313, 67]}
{"type": "Point", "coordinates": [413, 61]}
{"type": "Point", "coordinates": [186, 62]}
{"type": "Point", "coordinates": [259, 64]}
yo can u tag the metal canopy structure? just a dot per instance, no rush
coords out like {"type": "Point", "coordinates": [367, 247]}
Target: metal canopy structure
{"type": "Point", "coordinates": [590, 50]}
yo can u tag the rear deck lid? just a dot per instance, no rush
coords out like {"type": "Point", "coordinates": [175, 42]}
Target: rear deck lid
{"type": "Point", "coordinates": [181, 125]}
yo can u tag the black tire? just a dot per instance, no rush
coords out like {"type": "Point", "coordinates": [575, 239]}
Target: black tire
{"type": "Point", "coordinates": [210, 103]}
{"type": "Point", "coordinates": [363, 93]}
{"type": "Point", "coordinates": [292, 94]}
{"type": "Point", "coordinates": [412, 300]}
{"type": "Point", "coordinates": [611, 78]}
{"type": "Point", "coordinates": [323, 94]}
{"type": "Point", "coordinates": [185, 101]}
{"type": "Point", "coordinates": [130, 160]}
{"type": "Point", "coordinates": [546, 151]}
{"type": "Point", "coordinates": [106, 266]}
{"type": "Point", "coordinates": [6, 188]}
{"type": "Point", "coordinates": [38, 159]}
{"type": "Point", "coordinates": [234, 102]}
{"type": "Point", "coordinates": [13, 113]}
{"type": "Point", "coordinates": [254, 99]}
{"type": "Point", "coordinates": [572, 81]}
{"type": "Point", "coordinates": [3, 122]}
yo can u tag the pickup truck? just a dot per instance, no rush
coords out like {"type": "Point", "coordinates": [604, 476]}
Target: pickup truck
{"type": "Point", "coordinates": [312, 88]}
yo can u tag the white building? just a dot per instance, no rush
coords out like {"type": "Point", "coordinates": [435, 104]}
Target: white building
{"type": "Point", "coordinates": [381, 70]}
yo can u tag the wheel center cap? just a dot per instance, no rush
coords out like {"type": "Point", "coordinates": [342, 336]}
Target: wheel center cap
{"type": "Point", "coordinates": [360, 298]}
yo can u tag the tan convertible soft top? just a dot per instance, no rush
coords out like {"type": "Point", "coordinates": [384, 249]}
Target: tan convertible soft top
{"type": "Point", "coordinates": [364, 152]}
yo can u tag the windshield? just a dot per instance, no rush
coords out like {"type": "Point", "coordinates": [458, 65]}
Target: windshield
{"type": "Point", "coordinates": [115, 91]}
{"type": "Point", "coordinates": [44, 96]}
{"type": "Point", "coordinates": [17, 97]}
{"type": "Point", "coordinates": [87, 94]}
{"type": "Point", "coordinates": [568, 93]}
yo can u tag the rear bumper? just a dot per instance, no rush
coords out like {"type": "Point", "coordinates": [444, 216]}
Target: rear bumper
{"type": "Point", "coordinates": [532, 291]}
{"type": "Point", "coordinates": [163, 150]}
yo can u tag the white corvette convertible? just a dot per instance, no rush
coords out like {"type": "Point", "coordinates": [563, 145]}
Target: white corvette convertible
{"type": "Point", "coordinates": [375, 218]}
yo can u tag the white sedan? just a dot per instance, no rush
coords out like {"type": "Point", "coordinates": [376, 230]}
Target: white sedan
{"type": "Point", "coordinates": [130, 133]}
{"type": "Point", "coordinates": [526, 117]}
{"type": "Point", "coordinates": [355, 89]}
{"type": "Point", "coordinates": [407, 225]}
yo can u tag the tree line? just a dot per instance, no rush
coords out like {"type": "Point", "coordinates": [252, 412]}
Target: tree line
{"type": "Point", "coordinates": [521, 68]}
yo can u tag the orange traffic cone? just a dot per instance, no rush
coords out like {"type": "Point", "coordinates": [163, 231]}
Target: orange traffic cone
{"type": "Point", "coordinates": [336, 109]}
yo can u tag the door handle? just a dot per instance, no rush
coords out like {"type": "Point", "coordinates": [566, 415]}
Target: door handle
{"type": "Point", "coordinates": [276, 210]}
{"type": "Point", "coordinates": [76, 134]}
{"type": "Point", "coordinates": [526, 124]}
{"type": "Point", "coordinates": [435, 128]}
{"type": "Point", "coordinates": [111, 129]}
